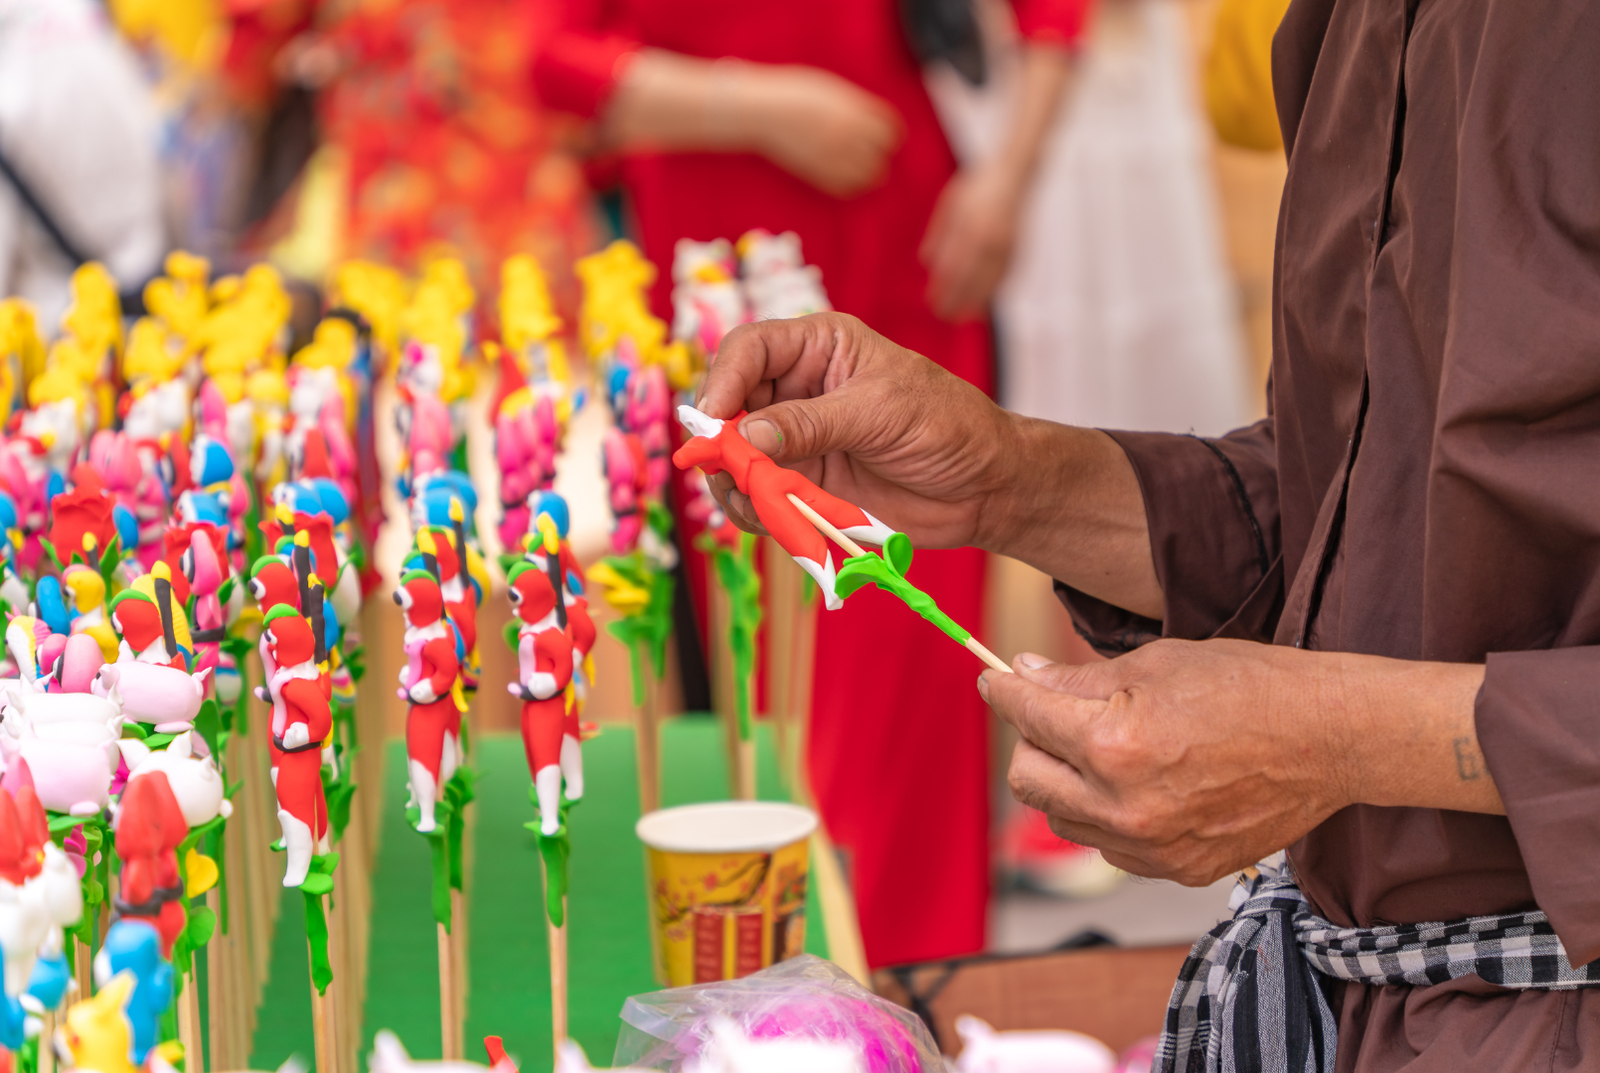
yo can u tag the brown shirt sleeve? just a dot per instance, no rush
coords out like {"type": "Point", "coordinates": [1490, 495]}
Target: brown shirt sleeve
{"type": "Point", "coordinates": [1212, 506]}
{"type": "Point", "coordinates": [1540, 739]}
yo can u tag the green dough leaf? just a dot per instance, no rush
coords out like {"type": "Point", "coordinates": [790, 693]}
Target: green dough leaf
{"type": "Point", "coordinates": [868, 569]}
{"type": "Point", "coordinates": [897, 552]}
{"type": "Point", "coordinates": [202, 925]}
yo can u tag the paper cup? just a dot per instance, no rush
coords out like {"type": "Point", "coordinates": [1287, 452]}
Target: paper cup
{"type": "Point", "coordinates": [727, 887]}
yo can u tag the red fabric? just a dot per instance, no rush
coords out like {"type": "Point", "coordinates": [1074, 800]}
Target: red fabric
{"type": "Point", "coordinates": [899, 746]}
{"type": "Point", "coordinates": [1059, 21]}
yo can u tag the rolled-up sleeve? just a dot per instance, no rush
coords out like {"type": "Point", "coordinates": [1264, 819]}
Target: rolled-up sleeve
{"type": "Point", "coordinates": [577, 66]}
{"type": "Point", "coordinates": [577, 72]}
{"type": "Point", "coordinates": [1212, 508]}
{"type": "Point", "coordinates": [1537, 730]}
{"type": "Point", "coordinates": [1059, 22]}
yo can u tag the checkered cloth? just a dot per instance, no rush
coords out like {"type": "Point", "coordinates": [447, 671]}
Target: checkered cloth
{"type": "Point", "coordinates": [1251, 995]}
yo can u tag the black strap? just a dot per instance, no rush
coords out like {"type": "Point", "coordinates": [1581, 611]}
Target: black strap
{"type": "Point", "coordinates": [132, 299]}
{"type": "Point", "coordinates": [306, 748]}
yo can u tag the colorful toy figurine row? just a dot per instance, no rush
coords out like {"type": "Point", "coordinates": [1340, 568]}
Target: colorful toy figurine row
{"type": "Point", "coordinates": [173, 496]}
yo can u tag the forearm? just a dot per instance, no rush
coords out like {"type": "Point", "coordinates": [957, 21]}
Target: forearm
{"type": "Point", "coordinates": [1406, 730]}
{"type": "Point", "coordinates": [667, 101]}
{"type": "Point", "coordinates": [1071, 507]}
{"type": "Point", "coordinates": [1045, 78]}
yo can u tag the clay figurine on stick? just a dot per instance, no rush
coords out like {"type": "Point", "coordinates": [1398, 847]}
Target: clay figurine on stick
{"type": "Point", "coordinates": [544, 660]}
{"type": "Point", "coordinates": [429, 683]}
{"type": "Point", "coordinates": [718, 447]}
{"type": "Point", "coordinates": [301, 721]}
{"type": "Point", "coordinates": [798, 515]}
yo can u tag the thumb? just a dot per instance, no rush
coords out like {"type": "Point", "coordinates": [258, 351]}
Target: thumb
{"type": "Point", "coordinates": [1089, 681]}
{"type": "Point", "coordinates": [800, 429]}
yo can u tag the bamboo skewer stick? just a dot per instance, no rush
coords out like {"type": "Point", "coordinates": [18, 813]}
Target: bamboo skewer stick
{"type": "Point", "coordinates": [47, 1042]}
{"type": "Point", "coordinates": [832, 532]}
{"type": "Point", "coordinates": [647, 742]}
{"type": "Point", "coordinates": [448, 1022]}
{"type": "Point", "coordinates": [558, 966]}
{"type": "Point", "coordinates": [189, 1025]}
{"type": "Point", "coordinates": [322, 1024]}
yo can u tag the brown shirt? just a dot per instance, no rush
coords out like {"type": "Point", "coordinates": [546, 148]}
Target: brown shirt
{"type": "Point", "coordinates": [1428, 483]}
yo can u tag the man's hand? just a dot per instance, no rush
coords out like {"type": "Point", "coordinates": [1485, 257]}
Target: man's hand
{"type": "Point", "coordinates": [869, 421]}
{"type": "Point", "coordinates": [1189, 760]}
{"type": "Point", "coordinates": [893, 433]}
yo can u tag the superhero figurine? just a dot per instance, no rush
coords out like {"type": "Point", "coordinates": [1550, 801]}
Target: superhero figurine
{"type": "Point", "coordinates": [301, 722]}
{"type": "Point", "coordinates": [544, 670]}
{"type": "Point", "coordinates": [430, 683]}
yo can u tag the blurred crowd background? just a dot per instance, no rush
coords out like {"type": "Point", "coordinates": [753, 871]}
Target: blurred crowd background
{"type": "Point", "coordinates": [1069, 202]}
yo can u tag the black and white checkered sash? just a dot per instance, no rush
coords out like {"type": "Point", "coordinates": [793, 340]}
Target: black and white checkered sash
{"type": "Point", "coordinates": [1250, 996]}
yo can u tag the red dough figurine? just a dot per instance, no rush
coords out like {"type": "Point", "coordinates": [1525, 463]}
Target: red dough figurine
{"type": "Point", "coordinates": [717, 447]}
{"type": "Point", "coordinates": [550, 734]}
{"type": "Point", "coordinates": [428, 682]}
{"type": "Point", "coordinates": [150, 828]}
{"type": "Point", "coordinates": [301, 722]}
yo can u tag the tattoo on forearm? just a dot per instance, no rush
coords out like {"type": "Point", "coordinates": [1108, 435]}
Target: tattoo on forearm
{"type": "Point", "coordinates": [1468, 762]}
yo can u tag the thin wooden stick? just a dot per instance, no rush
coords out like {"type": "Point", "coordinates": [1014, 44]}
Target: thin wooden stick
{"type": "Point", "coordinates": [458, 965]}
{"type": "Point", "coordinates": [976, 648]}
{"type": "Point", "coordinates": [189, 1025]}
{"type": "Point", "coordinates": [321, 1024]}
{"type": "Point", "coordinates": [647, 741]}
{"type": "Point", "coordinates": [558, 967]}
{"type": "Point", "coordinates": [829, 530]}
{"type": "Point", "coordinates": [558, 981]}
{"type": "Point", "coordinates": [832, 532]}
{"type": "Point", "coordinates": [449, 1023]}
{"type": "Point", "coordinates": [47, 1042]}
{"type": "Point", "coordinates": [83, 970]}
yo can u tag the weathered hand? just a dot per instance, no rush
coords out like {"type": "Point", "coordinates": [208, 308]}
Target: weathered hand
{"type": "Point", "coordinates": [1181, 760]}
{"type": "Point", "coordinates": [1187, 760]}
{"type": "Point", "coordinates": [931, 455]}
{"type": "Point", "coordinates": [869, 421]}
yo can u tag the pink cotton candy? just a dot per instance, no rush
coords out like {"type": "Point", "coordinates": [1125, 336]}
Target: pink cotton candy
{"type": "Point", "coordinates": [885, 1046]}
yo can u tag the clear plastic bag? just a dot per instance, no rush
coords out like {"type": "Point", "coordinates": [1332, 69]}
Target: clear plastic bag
{"type": "Point", "coordinates": [804, 997]}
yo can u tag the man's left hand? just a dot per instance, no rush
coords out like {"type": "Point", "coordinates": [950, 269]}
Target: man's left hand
{"type": "Point", "coordinates": [1188, 760]}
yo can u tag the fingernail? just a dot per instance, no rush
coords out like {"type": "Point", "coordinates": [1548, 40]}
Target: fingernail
{"type": "Point", "coordinates": [983, 686]}
{"type": "Point", "coordinates": [764, 436]}
{"type": "Point", "coordinates": [1032, 661]}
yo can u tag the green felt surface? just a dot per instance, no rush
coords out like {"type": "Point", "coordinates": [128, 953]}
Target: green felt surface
{"type": "Point", "coordinates": [509, 986]}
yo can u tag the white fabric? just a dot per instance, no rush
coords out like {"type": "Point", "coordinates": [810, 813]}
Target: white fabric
{"type": "Point", "coordinates": [78, 121]}
{"type": "Point", "coordinates": [1119, 310]}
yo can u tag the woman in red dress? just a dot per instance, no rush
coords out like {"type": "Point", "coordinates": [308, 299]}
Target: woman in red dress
{"type": "Point", "coordinates": [812, 118]}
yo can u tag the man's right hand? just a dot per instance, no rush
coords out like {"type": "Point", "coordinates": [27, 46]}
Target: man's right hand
{"type": "Point", "coordinates": [931, 455]}
{"type": "Point", "coordinates": [869, 421]}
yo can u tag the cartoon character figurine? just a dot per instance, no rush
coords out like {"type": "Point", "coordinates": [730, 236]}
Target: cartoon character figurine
{"type": "Point", "coordinates": [627, 472]}
{"type": "Point", "coordinates": [150, 828]}
{"type": "Point", "coordinates": [133, 948]}
{"type": "Point", "coordinates": [301, 722]}
{"type": "Point", "coordinates": [650, 417]}
{"type": "Point", "coordinates": [707, 301]}
{"type": "Point", "coordinates": [550, 734]}
{"type": "Point", "coordinates": [429, 682]}
{"type": "Point", "coordinates": [39, 891]}
{"type": "Point", "coordinates": [717, 447]}
{"type": "Point", "coordinates": [98, 1034]}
